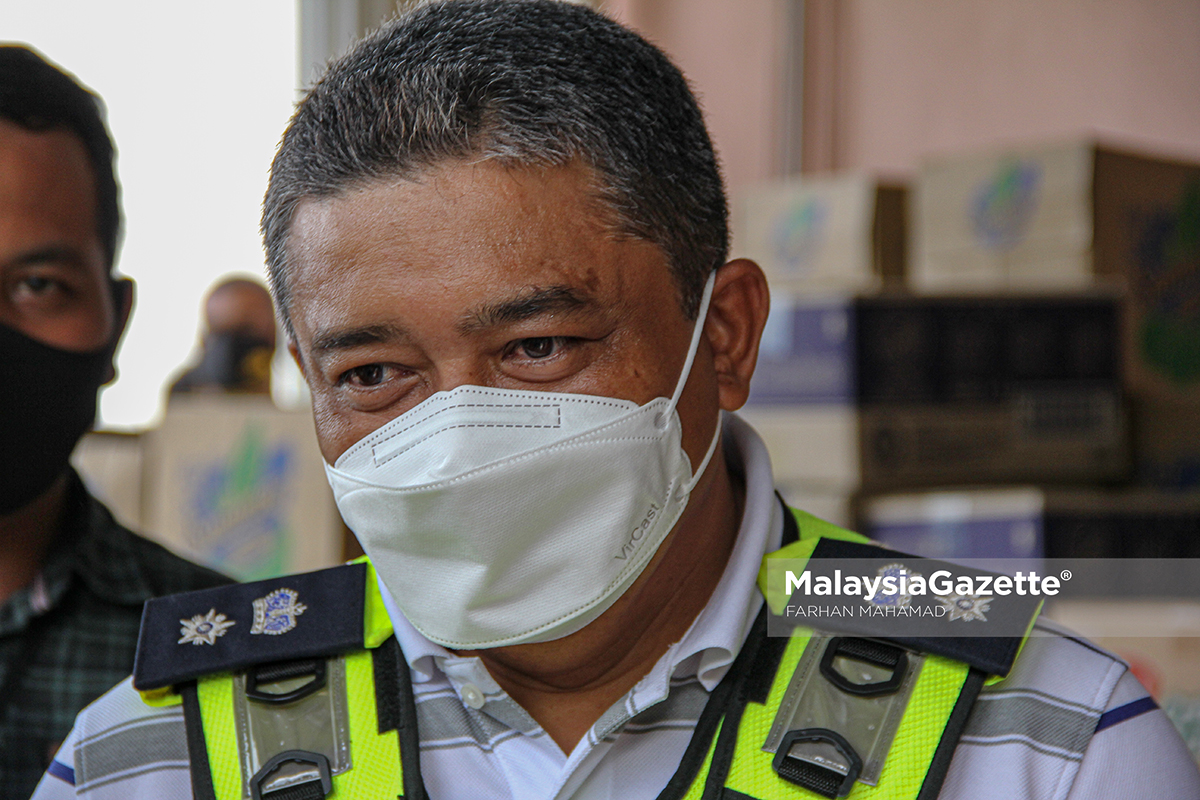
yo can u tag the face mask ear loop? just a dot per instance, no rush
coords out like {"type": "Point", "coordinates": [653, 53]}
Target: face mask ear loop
{"type": "Point", "coordinates": [697, 332]}
{"type": "Point", "coordinates": [712, 448]}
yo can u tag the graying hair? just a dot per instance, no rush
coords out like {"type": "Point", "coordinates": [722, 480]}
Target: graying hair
{"type": "Point", "coordinates": [524, 82]}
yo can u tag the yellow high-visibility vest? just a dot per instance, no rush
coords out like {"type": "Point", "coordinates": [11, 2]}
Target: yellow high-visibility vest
{"type": "Point", "coordinates": [725, 758]}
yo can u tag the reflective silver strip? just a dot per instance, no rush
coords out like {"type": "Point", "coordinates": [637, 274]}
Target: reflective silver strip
{"type": "Point", "coordinates": [1043, 723]}
{"type": "Point", "coordinates": [146, 745]}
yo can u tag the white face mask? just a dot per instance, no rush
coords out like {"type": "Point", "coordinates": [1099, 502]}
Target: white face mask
{"type": "Point", "coordinates": [497, 517]}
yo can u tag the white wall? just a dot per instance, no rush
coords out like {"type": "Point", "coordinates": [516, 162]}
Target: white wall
{"type": "Point", "coordinates": [198, 94]}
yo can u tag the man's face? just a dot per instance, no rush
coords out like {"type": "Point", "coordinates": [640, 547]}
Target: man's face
{"type": "Point", "coordinates": [54, 281]}
{"type": "Point", "coordinates": [485, 275]}
{"type": "Point", "coordinates": [241, 308]}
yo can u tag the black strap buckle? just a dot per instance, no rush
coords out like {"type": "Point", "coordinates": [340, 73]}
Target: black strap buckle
{"type": "Point", "coordinates": [262, 674]}
{"type": "Point", "coordinates": [315, 787]}
{"type": "Point", "coordinates": [819, 760]}
{"type": "Point", "coordinates": [870, 651]}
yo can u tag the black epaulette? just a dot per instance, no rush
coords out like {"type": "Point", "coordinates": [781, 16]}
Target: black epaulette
{"type": "Point", "coordinates": [983, 632]}
{"type": "Point", "coordinates": [229, 628]}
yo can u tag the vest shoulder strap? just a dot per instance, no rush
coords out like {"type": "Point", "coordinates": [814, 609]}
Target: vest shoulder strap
{"type": "Point", "coordinates": [318, 614]}
{"type": "Point", "coordinates": [355, 737]}
{"type": "Point", "coordinates": [727, 754]}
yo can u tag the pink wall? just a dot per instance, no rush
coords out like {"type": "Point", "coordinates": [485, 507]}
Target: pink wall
{"type": "Point", "coordinates": [731, 51]}
{"type": "Point", "coordinates": [889, 82]}
{"type": "Point", "coordinates": [929, 76]}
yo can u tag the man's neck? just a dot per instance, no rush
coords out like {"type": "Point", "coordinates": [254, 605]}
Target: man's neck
{"type": "Point", "coordinates": [26, 535]}
{"type": "Point", "coordinates": [566, 684]}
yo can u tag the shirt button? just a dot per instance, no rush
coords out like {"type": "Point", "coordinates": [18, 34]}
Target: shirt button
{"type": "Point", "coordinates": [472, 696]}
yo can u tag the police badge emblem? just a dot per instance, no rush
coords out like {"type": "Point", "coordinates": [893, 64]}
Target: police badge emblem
{"type": "Point", "coordinates": [276, 613]}
{"type": "Point", "coordinates": [900, 596]}
{"type": "Point", "coordinates": [204, 628]}
{"type": "Point", "coordinates": [967, 607]}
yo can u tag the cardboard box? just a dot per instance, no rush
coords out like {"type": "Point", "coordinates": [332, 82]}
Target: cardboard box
{"type": "Point", "coordinates": [110, 465]}
{"type": "Point", "coordinates": [235, 483]}
{"type": "Point", "coordinates": [1167, 443]}
{"type": "Point", "coordinates": [1037, 522]}
{"type": "Point", "coordinates": [888, 392]}
{"type": "Point", "coordinates": [846, 232]}
{"type": "Point", "coordinates": [982, 523]}
{"type": "Point", "coordinates": [1074, 216]}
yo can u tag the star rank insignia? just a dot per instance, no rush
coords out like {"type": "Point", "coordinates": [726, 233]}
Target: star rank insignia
{"type": "Point", "coordinates": [204, 628]}
{"type": "Point", "coordinates": [276, 613]}
{"type": "Point", "coordinates": [968, 608]}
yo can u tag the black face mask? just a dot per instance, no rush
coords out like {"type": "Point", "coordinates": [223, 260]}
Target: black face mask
{"type": "Point", "coordinates": [47, 402]}
{"type": "Point", "coordinates": [232, 358]}
{"type": "Point", "coordinates": [232, 361]}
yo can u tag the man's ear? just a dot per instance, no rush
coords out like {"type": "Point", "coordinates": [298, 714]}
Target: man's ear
{"type": "Point", "coordinates": [736, 317]}
{"type": "Point", "coordinates": [123, 293]}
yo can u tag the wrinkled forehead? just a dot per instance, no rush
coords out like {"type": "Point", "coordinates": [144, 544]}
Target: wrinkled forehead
{"type": "Point", "coordinates": [464, 213]}
{"type": "Point", "coordinates": [480, 232]}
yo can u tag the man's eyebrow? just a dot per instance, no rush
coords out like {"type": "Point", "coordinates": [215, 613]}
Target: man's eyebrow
{"type": "Point", "coordinates": [344, 339]}
{"type": "Point", "coordinates": [534, 303]}
{"type": "Point", "coordinates": [53, 254]}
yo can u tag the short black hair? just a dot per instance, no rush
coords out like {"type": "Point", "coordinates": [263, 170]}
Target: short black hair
{"type": "Point", "coordinates": [524, 82]}
{"type": "Point", "coordinates": [38, 96]}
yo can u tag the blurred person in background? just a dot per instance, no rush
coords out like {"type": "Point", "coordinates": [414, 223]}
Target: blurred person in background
{"type": "Point", "coordinates": [497, 237]}
{"type": "Point", "coordinates": [238, 342]}
{"type": "Point", "coordinates": [72, 580]}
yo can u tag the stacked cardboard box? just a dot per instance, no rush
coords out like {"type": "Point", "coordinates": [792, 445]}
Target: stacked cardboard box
{"type": "Point", "coordinates": [870, 393]}
{"type": "Point", "coordinates": [1082, 216]}
{"type": "Point", "coordinates": [841, 233]}
{"type": "Point", "coordinates": [1004, 364]}
{"type": "Point", "coordinates": [229, 481]}
{"type": "Point", "coordinates": [1043, 329]}
{"type": "Point", "coordinates": [1036, 522]}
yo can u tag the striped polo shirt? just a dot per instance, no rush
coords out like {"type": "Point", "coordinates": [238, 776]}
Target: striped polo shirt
{"type": "Point", "coordinates": [1070, 722]}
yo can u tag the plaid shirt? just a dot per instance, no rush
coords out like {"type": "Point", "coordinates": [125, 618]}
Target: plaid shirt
{"type": "Point", "coordinates": [71, 635]}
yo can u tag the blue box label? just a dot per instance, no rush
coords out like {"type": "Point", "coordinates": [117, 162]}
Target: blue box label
{"type": "Point", "coordinates": [807, 355]}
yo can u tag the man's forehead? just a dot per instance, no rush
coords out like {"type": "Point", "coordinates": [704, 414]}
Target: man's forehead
{"type": "Point", "coordinates": [472, 248]}
{"type": "Point", "coordinates": [47, 196]}
{"type": "Point", "coordinates": [464, 221]}
{"type": "Point", "coordinates": [33, 162]}
{"type": "Point", "coordinates": [453, 185]}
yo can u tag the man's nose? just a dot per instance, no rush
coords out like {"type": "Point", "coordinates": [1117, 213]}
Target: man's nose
{"type": "Point", "coordinates": [466, 371]}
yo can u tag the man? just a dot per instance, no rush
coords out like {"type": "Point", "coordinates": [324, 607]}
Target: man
{"type": "Point", "coordinates": [496, 232]}
{"type": "Point", "coordinates": [238, 342]}
{"type": "Point", "coordinates": [72, 580]}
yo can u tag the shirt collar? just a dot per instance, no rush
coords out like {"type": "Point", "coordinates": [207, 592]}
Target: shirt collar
{"type": "Point", "coordinates": [716, 636]}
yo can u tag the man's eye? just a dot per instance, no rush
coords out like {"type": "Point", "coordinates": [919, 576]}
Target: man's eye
{"type": "Point", "coordinates": [366, 375]}
{"type": "Point", "coordinates": [37, 284]}
{"type": "Point", "coordinates": [539, 347]}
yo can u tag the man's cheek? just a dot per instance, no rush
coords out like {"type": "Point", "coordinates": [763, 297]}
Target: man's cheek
{"type": "Point", "coordinates": [334, 433]}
